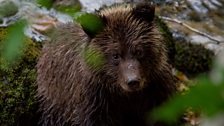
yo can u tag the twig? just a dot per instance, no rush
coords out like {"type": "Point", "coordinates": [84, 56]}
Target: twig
{"type": "Point", "coordinates": [192, 29]}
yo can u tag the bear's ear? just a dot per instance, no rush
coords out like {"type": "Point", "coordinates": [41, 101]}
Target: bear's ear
{"type": "Point", "coordinates": [92, 24]}
{"type": "Point", "coordinates": [144, 11]}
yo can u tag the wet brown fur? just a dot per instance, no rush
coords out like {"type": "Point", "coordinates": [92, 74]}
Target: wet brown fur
{"type": "Point", "coordinates": [71, 93]}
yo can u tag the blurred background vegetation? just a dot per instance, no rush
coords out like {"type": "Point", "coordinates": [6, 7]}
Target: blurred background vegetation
{"type": "Point", "coordinates": [197, 61]}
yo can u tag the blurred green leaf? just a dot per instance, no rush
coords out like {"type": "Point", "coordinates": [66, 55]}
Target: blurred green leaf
{"type": "Point", "coordinates": [13, 42]}
{"type": "Point", "coordinates": [45, 3]}
{"type": "Point", "coordinates": [70, 10]}
{"type": "Point", "coordinates": [205, 96]}
{"type": "Point", "coordinates": [91, 23]}
{"type": "Point", "coordinates": [93, 58]}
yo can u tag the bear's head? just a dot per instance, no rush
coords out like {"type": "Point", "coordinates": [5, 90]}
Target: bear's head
{"type": "Point", "coordinates": [132, 47]}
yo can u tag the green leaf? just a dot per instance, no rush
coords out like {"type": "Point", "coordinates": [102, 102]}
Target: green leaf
{"type": "Point", "coordinates": [205, 97]}
{"type": "Point", "coordinates": [13, 42]}
{"type": "Point", "coordinates": [93, 58]}
{"type": "Point", "coordinates": [91, 23]}
{"type": "Point", "coordinates": [45, 3]}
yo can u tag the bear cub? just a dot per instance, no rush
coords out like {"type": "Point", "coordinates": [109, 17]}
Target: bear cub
{"type": "Point", "coordinates": [112, 78]}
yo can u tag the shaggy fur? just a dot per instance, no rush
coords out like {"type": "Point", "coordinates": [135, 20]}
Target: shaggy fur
{"type": "Point", "coordinates": [73, 93]}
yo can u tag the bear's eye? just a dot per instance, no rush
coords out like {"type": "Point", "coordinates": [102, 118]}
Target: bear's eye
{"type": "Point", "coordinates": [116, 56]}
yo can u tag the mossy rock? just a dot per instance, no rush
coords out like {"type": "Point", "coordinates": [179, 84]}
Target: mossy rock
{"type": "Point", "coordinates": [8, 8]}
{"type": "Point", "coordinates": [17, 85]}
{"type": "Point", "coordinates": [191, 59]}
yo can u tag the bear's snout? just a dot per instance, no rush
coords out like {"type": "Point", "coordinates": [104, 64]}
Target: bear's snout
{"type": "Point", "coordinates": [132, 80]}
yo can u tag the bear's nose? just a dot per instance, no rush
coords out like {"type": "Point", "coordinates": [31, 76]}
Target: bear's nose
{"type": "Point", "coordinates": [133, 84]}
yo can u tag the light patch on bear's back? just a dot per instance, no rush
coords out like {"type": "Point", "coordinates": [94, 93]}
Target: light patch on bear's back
{"type": "Point", "coordinates": [116, 9]}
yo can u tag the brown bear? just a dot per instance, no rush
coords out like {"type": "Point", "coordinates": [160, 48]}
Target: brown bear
{"type": "Point", "coordinates": [130, 78]}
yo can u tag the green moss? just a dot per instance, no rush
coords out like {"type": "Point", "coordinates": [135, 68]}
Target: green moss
{"type": "Point", "coordinates": [70, 10]}
{"type": "Point", "coordinates": [192, 59]}
{"type": "Point", "coordinates": [7, 8]}
{"type": "Point", "coordinates": [17, 85]}
{"type": "Point", "coordinates": [168, 38]}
